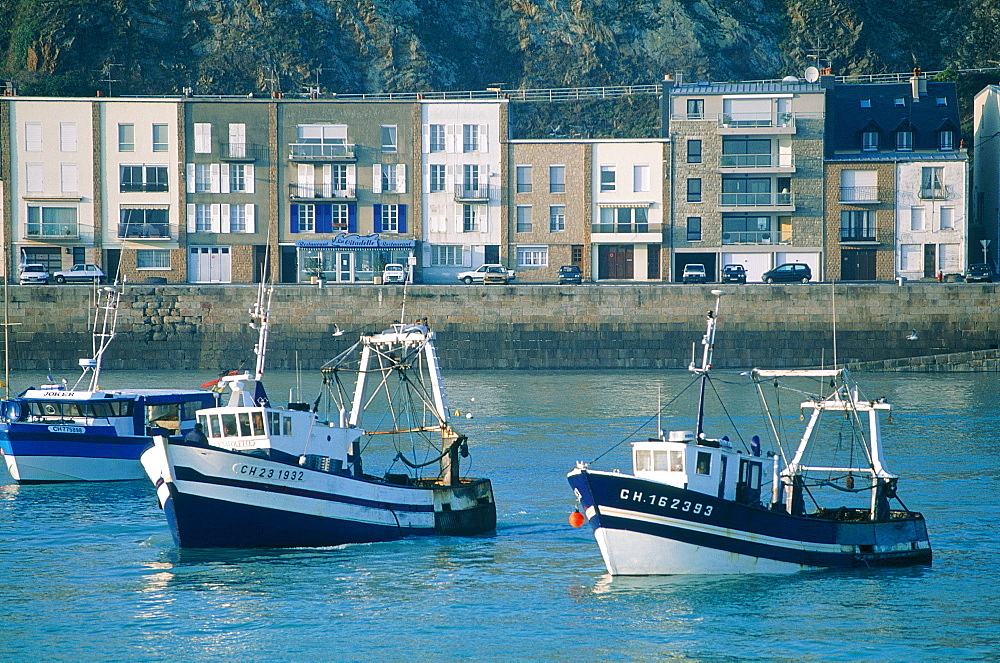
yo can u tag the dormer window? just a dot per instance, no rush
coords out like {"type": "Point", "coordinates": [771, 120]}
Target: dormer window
{"type": "Point", "coordinates": [904, 141]}
{"type": "Point", "coordinates": [946, 141]}
{"type": "Point", "coordinates": [941, 101]}
{"type": "Point", "coordinates": [866, 103]}
{"type": "Point", "coordinates": [869, 141]}
{"type": "Point", "coordinates": [900, 102]}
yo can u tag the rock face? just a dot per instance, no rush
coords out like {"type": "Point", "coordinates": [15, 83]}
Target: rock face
{"type": "Point", "coordinates": [76, 47]}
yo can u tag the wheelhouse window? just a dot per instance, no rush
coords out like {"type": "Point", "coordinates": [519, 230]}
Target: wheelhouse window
{"type": "Point", "coordinates": [703, 465]}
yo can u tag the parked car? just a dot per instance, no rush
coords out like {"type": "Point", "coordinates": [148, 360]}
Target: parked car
{"type": "Point", "coordinates": [570, 274]}
{"type": "Point", "coordinates": [734, 274]}
{"type": "Point", "coordinates": [394, 273]}
{"type": "Point", "coordinates": [33, 273]}
{"type": "Point", "coordinates": [791, 272]}
{"type": "Point", "coordinates": [80, 273]}
{"type": "Point", "coordinates": [979, 273]}
{"type": "Point", "coordinates": [694, 273]}
{"type": "Point", "coordinates": [497, 274]}
{"type": "Point", "coordinates": [476, 275]}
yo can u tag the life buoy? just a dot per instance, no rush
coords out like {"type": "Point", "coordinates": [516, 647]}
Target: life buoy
{"type": "Point", "coordinates": [10, 411]}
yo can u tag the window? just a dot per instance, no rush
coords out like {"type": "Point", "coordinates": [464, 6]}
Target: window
{"type": "Point", "coordinates": [866, 103]}
{"type": "Point", "coordinates": [470, 180]}
{"type": "Point", "coordinates": [67, 136]}
{"type": "Point", "coordinates": [340, 214]}
{"type": "Point", "coordinates": [745, 153]}
{"type": "Point", "coordinates": [946, 141]}
{"type": "Point", "coordinates": [388, 138]}
{"type": "Point", "coordinates": [152, 259]}
{"type": "Point", "coordinates": [557, 179]}
{"type": "Point", "coordinates": [237, 148]}
{"type": "Point", "coordinates": [869, 141]}
{"type": "Point", "coordinates": [941, 101]}
{"type": "Point", "coordinates": [857, 226]}
{"type": "Point", "coordinates": [911, 257]}
{"type": "Point", "coordinates": [322, 140]}
{"type": "Point", "coordinates": [437, 178]}
{"type": "Point", "coordinates": [436, 138]}
{"type": "Point", "coordinates": [695, 109]}
{"type": "Point", "coordinates": [203, 218]}
{"type": "Point", "coordinates": [532, 256]}
{"type": "Point", "coordinates": [899, 102]}
{"type": "Point", "coordinates": [947, 218]}
{"type": "Point", "coordinates": [34, 182]}
{"type": "Point", "coordinates": [237, 218]}
{"type": "Point", "coordinates": [904, 141]}
{"type": "Point", "coordinates": [557, 218]}
{"type": "Point", "coordinates": [144, 222]}
{"type": "Point", "coordinates": [932, 183]}
{"type": "Point", "coordinates": [916, 219]}
{"type": "Point", "coordinates": [32, 136]}
{"type": "Point", "coordinates": [694, 229]}
{"type": "Point", "coordinates": [694, 190]}
{"type": "Point", "coordinates": [524, 179]}
{"type": "Point", "coordinates": [388, 178]}
{"type": "Point", "coordinates": [390, 218]}
{"type": "Point", "coordinates": [68, 177]}
{"type": "Point", "coordinates": [446, 255]}
{"type": "Point", "coordinates": [237, 178]}
{"type": "Point", "coordinates": [746, 229]}
{"type": "Point", "coordinates": [202, 178]}
{"type": "Point", "coordinates": [703, 465]}
{"type": "Point", "coordinates": [136, 179]}
{"type": "Point", "coordinates": [694, 150]}
{"type": "Point", "coordinates": [52, 221]}
{"type": "Point", "coordinates": [607, 178]}
{"type": "Point", "coordinates": [622, 220]}
{"type": "Point", "coordinates": [470, 221]}
{"type": "Point", "coordinates": [126, 138]}
{"type": "Point", "coordinates": [202, 138]}
{"type": "Point", "coordinates": [858, 186]}
{"type": "Point", "coordinates": [524, 218]}
{"type": "Point", "coordinates": [470, 137]}
{"type": "Point", "coordinates": [307, 218]}
{"type": "Point", "coordinates": [640, 178]}
{"type": "Point", "coordinates": [160, 138]}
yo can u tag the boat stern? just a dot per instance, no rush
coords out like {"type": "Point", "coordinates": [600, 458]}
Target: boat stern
{"type": "Point", "coordinates": [465, 509]}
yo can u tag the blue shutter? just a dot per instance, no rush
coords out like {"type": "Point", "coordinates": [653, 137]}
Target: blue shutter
{"type": "Point", "coordinates": [377, 211]}
{"type": "Point", "coordinates": [352, 218]}
{"type": "Point", "coordinates": [401, 210]}
{"type": "Point", "coordinates": [324, 218]}
{"type": "Point", "coordinates": [293, 219]}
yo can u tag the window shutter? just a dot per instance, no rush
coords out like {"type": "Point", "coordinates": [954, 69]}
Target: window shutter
{"type": "Point", "coordinates": [226, 222]}
{"type": "Point", "coordinates": [377, 213]}
{"type": "Point", "coordinates": [248, 173]}
{"type": "Point", "coordinates": [484, 178]}
{"type": "Point", "coordinates": [459, 227]}
{"type": "Point", "coordinates": [352, 177]}
{"type": "Point", "coordinates": [376, 178]}
{"type": "Point", "coordinates": [293, 219]}
{"type": "Point", "coordinates": [224, 177]}
{"type": "Point", "coordinates": [481, 216]}
{"type": "Point", "coordinates": [190, 178]}
{"type": "Point", "coordinates": [251, 213]}
{"type": "Point", "coordinates": [191, 219]}
{"type": "Point", "coordinates": [427, 178]}
{"type": "Point", "coordinates": [484, 142]}
{"type": "Point", "coordinates": [327, 176]}
{"type": "Point", "coordinates": [213, 170]}
{"type": "Point", "coordinates": [216, 220]}
{"type": "Point", "coordinates": [401, 215]}
{"type": "Point", "coordinates": [352, 218]}
{"type": "Point", "coordinates": [425, 145]}
{"type": "Point", "coordinates": [324, 218]}
{"type": "Point", "coordinates": [449, 139]}
{"type": "Point", "coordinates": [401, 178]}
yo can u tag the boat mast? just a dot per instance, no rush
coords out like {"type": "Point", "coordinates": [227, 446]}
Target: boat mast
{"type": "Point", "coordinates": [708, 341]}
{"type": "Point", "coordinates": [260, 320]}
{"type": "Point", "coordinates": [105, 322]}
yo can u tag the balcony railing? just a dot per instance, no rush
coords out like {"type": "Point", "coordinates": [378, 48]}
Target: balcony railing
{"type": "Point", "coordinates": [781, 161]}
{"type": "Point", "coordinates": [320, 151]}
{"type": "Point", "coordinates": [848, 234]}
{"type": "Point", "coordinates": [321, 191]}
{"type": "Point", "coordinates": [143, 187]}
{"type": "Point", "coordinates": [933, 193]}
{"type": "Point", "coordinates": [859, 195]}
{"type": "Point", "coordinates": [144, 230]}
{"type": "Point", "coordinates": [52, 230]}
{"type": "Point", "coordinates": [626, 228]}
{"type": "Point", "coordinates": [241, 151]}
{"type": "Point", "coordinates": [756, 120]}
{"type": "Point", "coordinates": [784, 199]}
{"type": "Point", "coordinates": [468, 193]}
{"type": "Point", "coordinates": [749, 237]}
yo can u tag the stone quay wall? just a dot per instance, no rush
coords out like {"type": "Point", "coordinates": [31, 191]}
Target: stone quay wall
{"type": "Point", "coordinates": [205, 327]}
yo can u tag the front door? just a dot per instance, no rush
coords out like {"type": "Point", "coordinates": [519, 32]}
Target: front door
{"type": "Point", "coordinates": [209, 264]}
{"type": "Point", "coordinates": [857, 265]}
{"type": "Point", "coordinates": [345, 267]}
{"type": "Point", "coordinates": [930, 264]}
{"type": "Point", "coordinates": [614, 261]}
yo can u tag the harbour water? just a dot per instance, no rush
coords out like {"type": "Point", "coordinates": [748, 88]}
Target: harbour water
{"type": "Point", "coordinates": [89, 571]}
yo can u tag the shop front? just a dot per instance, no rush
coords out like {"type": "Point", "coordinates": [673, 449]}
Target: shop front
{"type": "Point", "coordinates": [350, 258]}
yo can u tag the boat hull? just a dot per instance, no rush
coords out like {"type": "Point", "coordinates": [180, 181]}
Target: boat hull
{"type": "Point", "coordinates": [649, 528]}
{"type": "Point", "coordinates": [215, 498]}
{"type": "Point", "coordinates": [34, 454]}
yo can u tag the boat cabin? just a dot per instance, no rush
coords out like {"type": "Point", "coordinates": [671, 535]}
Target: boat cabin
{"type": "Point", "coordinates": [706, 466]}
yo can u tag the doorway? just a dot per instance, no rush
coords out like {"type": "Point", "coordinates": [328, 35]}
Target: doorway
{"type": "Point", "coordinates": [857, 265]}
{"type": "Point", "coordinates": [615, 261]}
{"type": "Point", "coordinates": [930, 261]}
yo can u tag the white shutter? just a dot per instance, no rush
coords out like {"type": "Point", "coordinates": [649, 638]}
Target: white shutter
{"type": "Point", "coordinates": [306, 175]}
{"type": "Point", "coordinates": [238, 140]}
{"type": "Point", "coordinates": [425, 146]}
{"type": "Point", "coordinates": [327, 180]}
{"type": "Point", "coordinates": [190, 178]}
{"type": "Point", "coordinates": [67, 136]}
{"type": "Point", "coordinates": [401, 178]}
{"type": "Point", "coordinates": [484, 142]}
{"type": "Point", "coordinates": [251, 213]}
{"type": "Point", "coordinates": [484, 178]}
{"type": "Point", "coordinates": [481, 216]}
{"type": "Point", "coordinates": [202, 138]}
{"type": "Point", "coordinates": [224, 177]}
{"type": "Point", "coordinates": [248, 174]}
{"type": "Point", "coordinates": [216, 221]}
{"type": "Point", "coordinates": [192, 219]}
{"type": "Point", "coordinates": [467, 256]}
{"type": "Point", "coordinates": [352, 177]}
{"type": "Point", "coordinates": [224, 218]}
{"type": "Point", "coordinates": [449, 139]}
{"type": "Point", "coordinates": [427, 178]}
{"type": "Point", "coordinates": [376, 178]}
{"type": "Point", "coordinates": [459, 227]}
{"type": "Point", "coordinates": [67, 175]}
{"type": "Point", "coordinates": [213, 170]}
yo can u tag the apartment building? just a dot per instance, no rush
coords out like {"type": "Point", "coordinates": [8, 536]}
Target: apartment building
{"type": "Point", "coordinates": [986, 176]}
{"type": "Point", "coordinates": [747, 175]}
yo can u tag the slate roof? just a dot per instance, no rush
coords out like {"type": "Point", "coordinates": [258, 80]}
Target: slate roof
{"type": "Point", "coordinates": [694, 89]}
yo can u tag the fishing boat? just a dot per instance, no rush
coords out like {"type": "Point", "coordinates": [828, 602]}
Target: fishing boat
{"type": "Point", "coordinates": [281, 477]}
{"type": "Point", "coordinates": [55, 433]}
{"type": "Point", "coordinates": [696, 503]}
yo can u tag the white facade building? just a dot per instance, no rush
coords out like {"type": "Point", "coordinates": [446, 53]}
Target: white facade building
{"type": "Point", "coordinates": [931, 228]}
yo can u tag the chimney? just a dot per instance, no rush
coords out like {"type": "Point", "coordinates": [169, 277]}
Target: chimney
{"type": "Point", "coordinates": [918, 84]}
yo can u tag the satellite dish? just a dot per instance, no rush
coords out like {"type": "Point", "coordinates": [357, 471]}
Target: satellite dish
{"type": "Point", "coordinates": [789, 80]}
{"type": "Point", "coordinates": [812, 74]}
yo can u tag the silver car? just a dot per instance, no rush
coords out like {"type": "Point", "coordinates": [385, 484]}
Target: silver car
{"type": "Point", "coordinates": [33, 273]}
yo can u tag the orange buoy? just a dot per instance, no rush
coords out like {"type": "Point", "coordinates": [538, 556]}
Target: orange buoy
{"type": "Point", "coordinates": [576, 519]}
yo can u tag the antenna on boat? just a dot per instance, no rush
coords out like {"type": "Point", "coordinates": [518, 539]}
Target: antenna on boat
{"type": "Point", "coordinates": [706, 359]}
{"type": "Point", "coordinates": [105, 322]}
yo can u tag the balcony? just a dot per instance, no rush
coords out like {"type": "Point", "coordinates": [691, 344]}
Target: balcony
{"type": "Point", "coordinates": [321, 192]}
{"type": "Point", "coordinates": [625, 228]}
{"type": "Point", "coordinates": [471, 194]}
{"type": "Point", "coordinates": [143, 187]}
{"type": "Point", "coordinates": [757, 163]}
{"type": "Point", "coordinates": [859, 195]}
{"type": "Point", "coordinates": [321, 152]}
{"type": "Point", "coordinates": [854, 234]}
{"type": "Point", "coordinates": [154, 231]}
{"type": "Point", "coordinates": [241, 152]}
{"type": "Point", "coordinates": [52, 231]}
{"type": "Point", "coordinates": [757, 123]}
{"type": "Point", "coordinates": [749, 237]}
{"type": "Point", "coordinates": [933, 193]}
{"type": "Point", "coordinates": [779, 202]}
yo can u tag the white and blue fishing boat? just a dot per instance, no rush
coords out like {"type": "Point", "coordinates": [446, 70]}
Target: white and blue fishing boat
{"type": "Point", "coordinates": [696, 504]}
{"type": "Point", "coordinates": [268, 476]}
{"type": "Point", "coordinates": [55, 433]}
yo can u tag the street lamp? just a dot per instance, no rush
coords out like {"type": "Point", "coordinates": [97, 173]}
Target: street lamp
{"type": "Point", "coordinates": [985, 243]}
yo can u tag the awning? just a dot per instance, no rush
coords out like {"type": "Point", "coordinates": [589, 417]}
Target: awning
{"type": "Point", "coordinates": [628, 204]}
